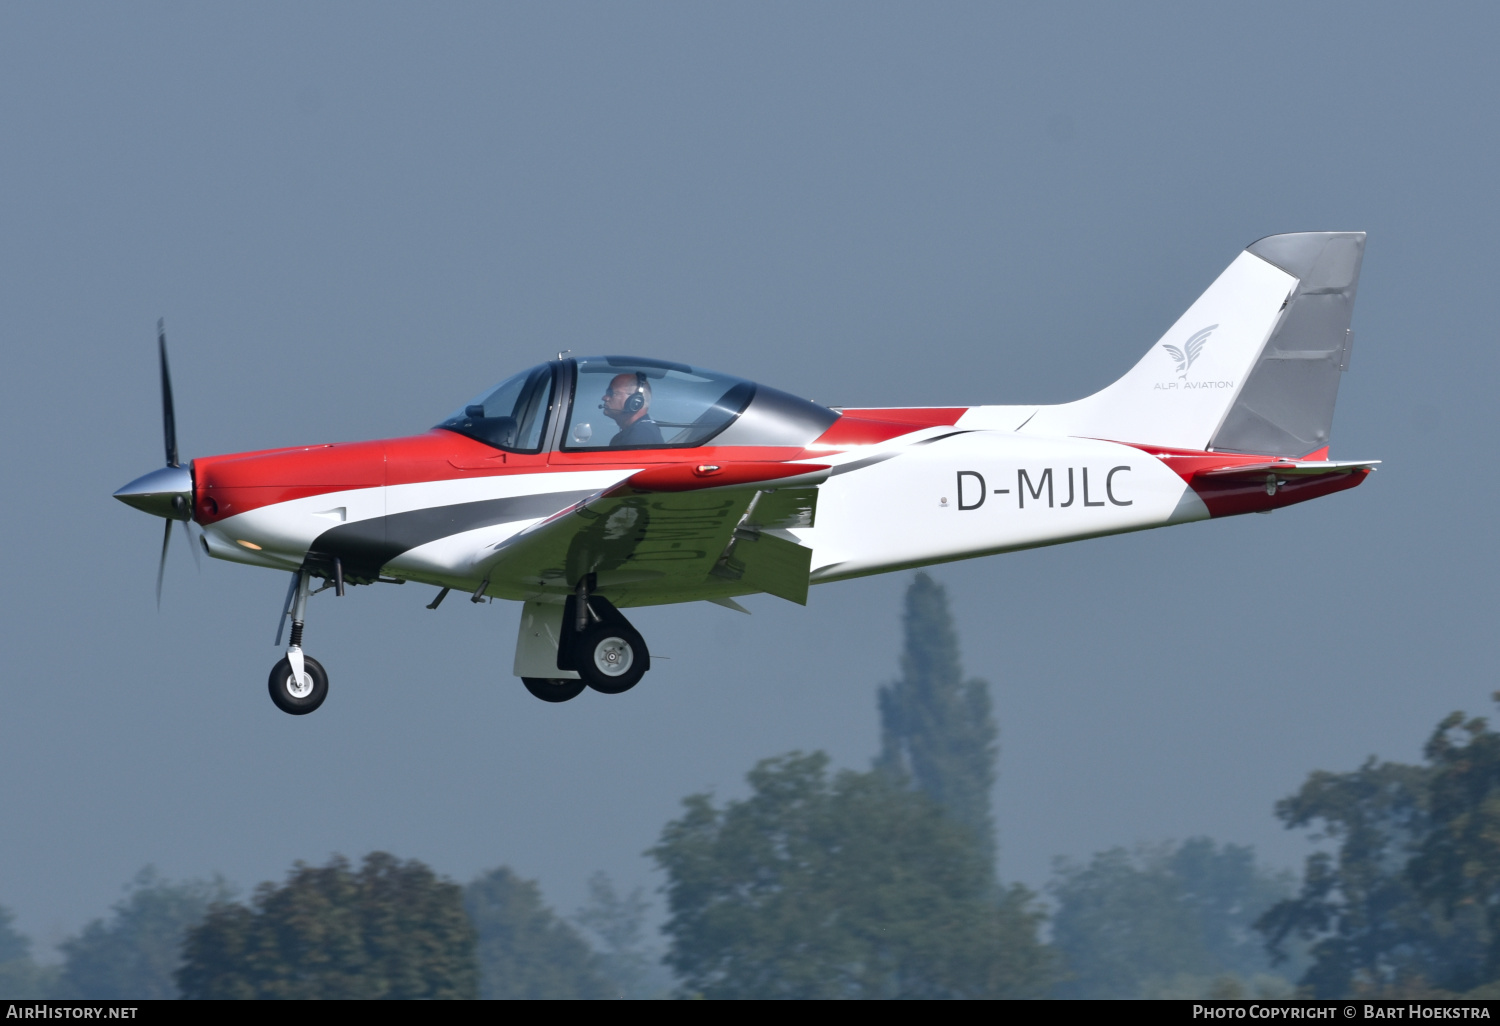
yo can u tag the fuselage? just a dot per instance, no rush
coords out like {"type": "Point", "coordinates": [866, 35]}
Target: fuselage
{"type": "Point", "coordinates": [908, 487]}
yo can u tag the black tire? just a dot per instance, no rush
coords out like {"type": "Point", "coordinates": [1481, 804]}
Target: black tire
{"type": "Point", "coordinates": [611, 657]}
{"type": "Point", "coordinates": [281, 686]}
{"type": "Point", "coordinates": [554, 689]}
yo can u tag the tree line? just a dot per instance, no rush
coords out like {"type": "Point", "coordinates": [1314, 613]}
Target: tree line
{"type": "Point", "coordinates": [385, 928]}
{"type": "Point", "coordinates": [882, 883]}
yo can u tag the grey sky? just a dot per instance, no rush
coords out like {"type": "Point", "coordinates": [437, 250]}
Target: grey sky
{"type": "Point", "coordinates": [355, 217]}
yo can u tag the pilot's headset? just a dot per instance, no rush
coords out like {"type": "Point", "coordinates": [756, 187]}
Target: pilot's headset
{"type": "Point", "coordinates": [637, 400]}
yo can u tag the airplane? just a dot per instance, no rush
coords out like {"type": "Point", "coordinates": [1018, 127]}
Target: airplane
{"type": "Point", "coordinates": [587, 485]}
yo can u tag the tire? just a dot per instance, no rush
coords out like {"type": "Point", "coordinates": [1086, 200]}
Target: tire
{"type": "Point", "coordinates": [611, 657]}
{"type": "Point", "coordinates": [282, 693]}
{"type": "Point", "coordinates": [554, 689]}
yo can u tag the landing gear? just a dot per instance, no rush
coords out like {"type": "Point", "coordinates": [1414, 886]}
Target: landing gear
{"type": "Point", "coordinates": [600, 645]}
{"type": "Point", "coordinates": [298, 695]}
{"type": "Point", "coordinates": [583, 642]}
{"type": "Point", "coordinates": [298, 683]}
{"type": "Point", "coordinates": [554, 689]}
{"type": "Point", "coordinates": [610, 657]}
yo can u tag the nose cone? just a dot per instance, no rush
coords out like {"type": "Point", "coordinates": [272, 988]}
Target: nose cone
{"type": "Point", "coordinates": [167, 492]}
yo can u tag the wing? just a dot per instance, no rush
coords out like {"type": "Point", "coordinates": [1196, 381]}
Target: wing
{"type": "Point", "coordinates": [671, 534]}
{"type": "Point", "coordinates": [1175, 353]}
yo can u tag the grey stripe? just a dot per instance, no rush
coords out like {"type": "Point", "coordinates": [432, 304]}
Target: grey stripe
{"type": "Point", "coordinates": [367, 545]}
{"type": "Point", "coordinates": [939, 438]}
{"type": "Point", "coordinates": [870, 461]}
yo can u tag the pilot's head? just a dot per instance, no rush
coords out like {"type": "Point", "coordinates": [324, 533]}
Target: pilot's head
{"type": "Point", "coordinates": [627, 398]}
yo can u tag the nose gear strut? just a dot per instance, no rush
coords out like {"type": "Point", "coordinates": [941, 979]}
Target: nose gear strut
{"type": "Point", "coordinates": [298, 683]}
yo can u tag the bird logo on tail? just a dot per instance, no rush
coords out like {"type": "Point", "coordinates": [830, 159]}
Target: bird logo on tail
{"type": "Point", "coordinates": [1190, 350]}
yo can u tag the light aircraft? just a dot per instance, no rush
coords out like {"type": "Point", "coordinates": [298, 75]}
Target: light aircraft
{"type": "Point", "coordinates": [584, 486]}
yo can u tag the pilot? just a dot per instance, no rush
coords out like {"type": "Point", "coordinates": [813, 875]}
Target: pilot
{"type": "Point", "coordinates": [627, 402]}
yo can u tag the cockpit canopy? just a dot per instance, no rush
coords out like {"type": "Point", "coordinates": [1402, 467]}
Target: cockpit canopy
{"type": "Point", "coordinates": [624, 402]}
{"type": "Point", "coordinates": [512, 415]}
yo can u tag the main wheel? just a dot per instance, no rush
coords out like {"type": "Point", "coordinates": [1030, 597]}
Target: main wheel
{"type": "Point", "coordinates": [298, 697]}
{"type": "Point", "coordinates": [611, 657]}
{"type": "Point", "coordinates": [554, 689]}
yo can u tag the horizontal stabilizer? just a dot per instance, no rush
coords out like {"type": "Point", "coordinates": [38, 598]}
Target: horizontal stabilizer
{"type": "Point", "coordinates": [1289, 468]}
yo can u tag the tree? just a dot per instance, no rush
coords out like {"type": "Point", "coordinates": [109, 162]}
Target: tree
{"type": "Point", "coordinates": [618, 922]}
{"type": "Point", "coordinates": [14, 946]}
{"type": "Point", "coordinates": [937, 729]}
{"type": "Point", "coordinates": [1170, 918]}
{"type": "Point", "coordinates": [1371, 928]}
{"type": "Point", "coordinates": [838, 888]}
{"type": "Point", "coordinates": [1409, 903]}
{"type": "Point", "coordinates": [391, 929]}
{"type": "Point", "coordinates": [525, 951]}
{"type": "Point", "coordinates": [136, 952]}
{"type": "Point", "coordinates": [1458, 861]}
{"type": "Point", "coordinates": [20, 977]}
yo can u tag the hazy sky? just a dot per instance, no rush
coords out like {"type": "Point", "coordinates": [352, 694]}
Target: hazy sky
{"type": "Point", "coordinates": [355, 217]}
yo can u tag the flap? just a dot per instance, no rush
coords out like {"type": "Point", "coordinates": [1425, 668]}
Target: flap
{"type": "Point", "coordinates": [764, 562]}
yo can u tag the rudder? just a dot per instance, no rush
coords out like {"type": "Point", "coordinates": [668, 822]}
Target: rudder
{"type": "Point", "coordinates": [1286, 406]}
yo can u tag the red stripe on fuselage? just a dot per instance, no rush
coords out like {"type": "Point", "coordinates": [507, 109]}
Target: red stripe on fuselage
{"type": "Point", "coordinates": [870, 427]}
{"type": "Point", "coordinates": [1187, 462]}
{"type": "Point", "coordinates": [228, 485]}
{"type": "Point", "coordinates": [224, 486]}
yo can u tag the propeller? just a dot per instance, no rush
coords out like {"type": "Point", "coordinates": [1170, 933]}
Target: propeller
{"type": "Point", "coordinates": [168, 409]}
{"type": "Point", "coordinates": [168, 492]}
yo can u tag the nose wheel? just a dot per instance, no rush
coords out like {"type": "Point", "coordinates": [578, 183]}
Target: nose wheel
{"type": "Point", "coordinates": [298, 694]}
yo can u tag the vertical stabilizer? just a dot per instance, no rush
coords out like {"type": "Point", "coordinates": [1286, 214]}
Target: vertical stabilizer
{"type": "Point", "coordinates": [1251, 367]}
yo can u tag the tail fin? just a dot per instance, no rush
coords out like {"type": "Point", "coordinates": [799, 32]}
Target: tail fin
{"type": "Point", "coordinates": [1253, 366]}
